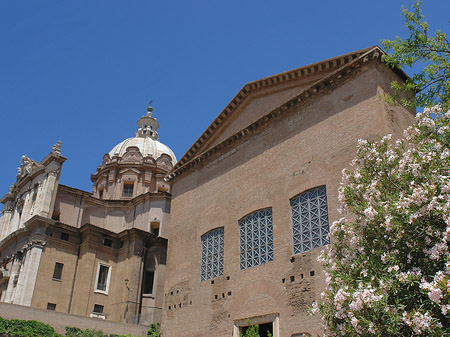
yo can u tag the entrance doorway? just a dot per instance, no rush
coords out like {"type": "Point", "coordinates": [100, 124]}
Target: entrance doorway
{"type": "Point", "coordinates": [269, 323]}
{"type": "Point", "coordinates": [263, 330]}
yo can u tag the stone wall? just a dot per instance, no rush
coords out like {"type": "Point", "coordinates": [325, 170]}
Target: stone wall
{"type": "Point", "coordinates": [60, 320]}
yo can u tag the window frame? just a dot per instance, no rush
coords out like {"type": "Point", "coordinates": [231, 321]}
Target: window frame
{"type": "Point", "coordinates": [51, 306]}
{"type": "Point", "coordinates": [127, 194]}
{"type": "Point", "coordinates": [212, 254]}
{"type": "Point", "coordinates": [108, 278]}
{"type": "Point", "coordinates": [298, 244]}
{"type": "Point", "coordinates": [60, 271]}
{"type": "Point", "coordinates": [247, 248]}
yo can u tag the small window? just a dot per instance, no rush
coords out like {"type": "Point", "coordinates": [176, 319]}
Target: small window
{"type": "Point", "coordinates": [107, 242]}
{"type": "Point", "coordinates": [100, 194]}
{"type": "Point", "coordinates": [98, 309]}
{"type": "Point", "coordinates": [154, 227]}
{"type": "Point", "coordinates": [128, 190]}
{"type": "Point", "coordinates": [15, 280]}
{"type": "Point", "coordinates": [64, 236]}
{"type": "Point", "coordinates": [149, 277]}
{"type": "Point", "coordinates": [57, 272]}
{"type": "Point", "coordinates": [103, 276]}
{"type": "Point", "coordinates": [51, 306]}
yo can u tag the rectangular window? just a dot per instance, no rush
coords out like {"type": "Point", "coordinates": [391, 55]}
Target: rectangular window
{"type": "Point", "coordinates": [100, 194]}
{"type": "Point", "coordinates": [154, 228]}
{"type": "Point", "coordinates": [107, 242]}
{"type": "Point", "coordinates": [64, 236]}
{"type": "Point", "coordinates": [128, 190]}
{"type": "Point", "coordinates": [51, 306]}
{"type": "Point", "coordinates": [57, 272]}
{"type": "Point", "coordinates": [98, 309]}
{"type": "Point", "coordinates": [255, 239]}
{"type": "Point", "coordinates": [212, 254]}
{"type": "Point", "coordinates": [103, 277]}
{"type": "Point", "coordinates": [309, 213]}
{"type": "Point", "coordinates": [149, 276]}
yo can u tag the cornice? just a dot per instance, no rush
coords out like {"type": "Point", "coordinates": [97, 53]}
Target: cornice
{"type": "Point", "coordinates": [148, 163]}
{"type": "Point", "coordinates": [350, 62]}
{"type": "Point", "coordinates": [116, 203]}
{"type": "Point", "coordinates": [258, 85]}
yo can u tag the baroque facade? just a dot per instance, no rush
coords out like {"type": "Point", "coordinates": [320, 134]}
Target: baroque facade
{"type": "Point", "coordinates": [99, 254]}
{"type": "Point", "coordinates": [253, 197]}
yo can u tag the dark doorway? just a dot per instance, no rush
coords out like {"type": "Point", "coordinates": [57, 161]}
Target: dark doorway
{"type": "Point", "coordinates": [263, 329]}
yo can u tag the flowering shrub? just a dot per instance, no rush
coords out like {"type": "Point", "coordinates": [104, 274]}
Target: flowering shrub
{"type": "Point", "coordinates": [388, 262]}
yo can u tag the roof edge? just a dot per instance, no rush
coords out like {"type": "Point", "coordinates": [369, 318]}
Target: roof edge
{"type": "Point", "coordinates": [306, 94]}
{"type": "Point", "coordinates": [335, 62]}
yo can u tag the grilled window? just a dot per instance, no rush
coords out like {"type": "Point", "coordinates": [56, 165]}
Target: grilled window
{"type": "Point", "coordinates": [212, 254]}
{"type": "Point", "coordinates": [309, 212]}
{"type": "Point", "coordinates": [255, 239]}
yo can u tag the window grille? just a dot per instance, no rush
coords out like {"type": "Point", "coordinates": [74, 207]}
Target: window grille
{"type": "Point", "coordinates": [309, 213]}
{"type": "Point", "coordinates": [255, 239]}
{"type": "Point", "coordinates": [212, 254]}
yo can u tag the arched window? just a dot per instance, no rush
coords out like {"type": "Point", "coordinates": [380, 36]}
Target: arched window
{"type": "Point", "coordinates": [255, 239]}
{"type": "Point", "coordinates": [212, 254]}
{"type": "Point", "coordinates": [309, 214]}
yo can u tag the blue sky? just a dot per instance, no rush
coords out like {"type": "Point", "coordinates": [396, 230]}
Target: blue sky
{"type": "Point", "coordinates": [83, 71]}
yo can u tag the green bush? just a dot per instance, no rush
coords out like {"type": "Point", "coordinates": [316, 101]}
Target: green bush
{"type": "Point", "coordinates": [77, 332]}
{"type": "Point", "coordinates": [253, 331]}
{"type": "Point", "coordinates": [21, 328]}
{"type": "Point", "coordinates": [154, 330]}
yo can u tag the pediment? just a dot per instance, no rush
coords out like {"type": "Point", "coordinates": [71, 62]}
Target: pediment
{"type": "Point", "coordinates": [164, 162]}
{"type": "Point", "coordinates": [132, 154]}
{"type": "Point", "coordinates": [258, 98]}
{"type": "Point", "coordinates": [258, 101]}
{"type": "Point", "coordinates": [129, 170]}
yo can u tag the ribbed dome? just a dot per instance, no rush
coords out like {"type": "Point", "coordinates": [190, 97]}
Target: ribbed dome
{"type": "Point", "coordinates": [147, 146]}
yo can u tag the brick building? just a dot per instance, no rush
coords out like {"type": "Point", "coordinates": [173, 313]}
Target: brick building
{"type": "Point", "coordinates": [253, 197]}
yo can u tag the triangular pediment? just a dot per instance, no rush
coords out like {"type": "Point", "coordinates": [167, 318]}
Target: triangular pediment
{"type": "Point", "coordinates": [258, 99]}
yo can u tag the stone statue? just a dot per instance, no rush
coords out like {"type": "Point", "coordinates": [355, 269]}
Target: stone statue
{"type": "Point", "coordinates": [57, 148]}
{"type": "Point", "coordinates": [26, 166]}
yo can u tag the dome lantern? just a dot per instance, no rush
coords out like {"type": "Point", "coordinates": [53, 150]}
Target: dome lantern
{"type": "Point", "coordinates": [148, 126]}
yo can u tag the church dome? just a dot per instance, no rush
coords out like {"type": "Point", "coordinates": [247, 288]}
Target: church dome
{"type": "Point", "coordinates": [145, 139]}
{"type": "Point", "coordinates": [146, 145]}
